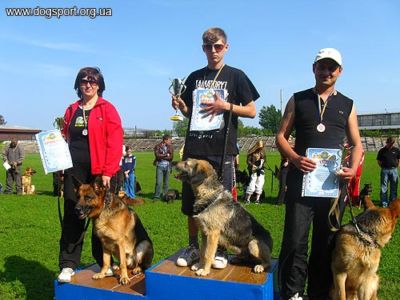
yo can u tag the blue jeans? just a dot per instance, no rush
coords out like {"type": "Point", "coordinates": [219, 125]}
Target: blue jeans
{"type": "Point", "coordinates": [130, 185]}
{"type": "Point", "coordinates": [389, 176]}
{"type": "Point", "coordinates": [162, 179]}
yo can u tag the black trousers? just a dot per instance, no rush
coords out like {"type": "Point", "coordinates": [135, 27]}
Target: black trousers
{"type": "Point", "coordinates": [71, 241]}
{"type": "Point", "coordinates": [294, 267]}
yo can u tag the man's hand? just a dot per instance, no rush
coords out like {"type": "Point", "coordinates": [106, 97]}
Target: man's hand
{"type": "Point", "coordinates": [304, 164]}
{"type": "Point", "coordinates": [213, 108]}
{"type": "Point", "coordinates": [178, 103]}
{"type": "Point", "coordinates": [346, 173]}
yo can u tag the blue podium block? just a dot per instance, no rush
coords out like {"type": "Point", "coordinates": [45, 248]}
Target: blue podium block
{"type": "Point", "coordinates": [83, 286]}
{"type": "Point", "coordinates": [166, 281]}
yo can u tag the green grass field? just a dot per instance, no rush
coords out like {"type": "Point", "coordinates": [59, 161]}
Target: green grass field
{"type": "Point", "coordinates": [30, 230]}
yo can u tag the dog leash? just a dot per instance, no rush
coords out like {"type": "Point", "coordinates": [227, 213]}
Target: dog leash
{"type": "Point", "coordinates": [221, 178]}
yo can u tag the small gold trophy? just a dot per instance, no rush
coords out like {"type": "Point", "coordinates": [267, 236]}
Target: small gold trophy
{"type": "Point", "coordinates": [176, 89]}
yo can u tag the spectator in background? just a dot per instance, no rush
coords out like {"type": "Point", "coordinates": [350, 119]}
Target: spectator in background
{"type": "Point", "coordinates": [388, 159]}
{"type": "Point", "coordinates": [128, 167]}
{"type": "Point", "coordinates": [255, 166]}
{"type": "Point", "coordinates": [283, 170]}
{"type": "Point", "coordinates": [164, 153]}
{"type": "Point", "coordinates": [13, 155]}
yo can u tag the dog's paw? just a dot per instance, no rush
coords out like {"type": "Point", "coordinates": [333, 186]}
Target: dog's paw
{"type": "Point", "coordinates": [195, 267]}
{"type": "Point", "coordinates": [202, 272]}
{"type": "Point", "coordinates": [137, 270]}
{"type": "Point", "coordinates": [124, 280]}
{"type": "Point", "coordinates": [258, 269]}
{"type": "Point", "coordinates": [98, 275]}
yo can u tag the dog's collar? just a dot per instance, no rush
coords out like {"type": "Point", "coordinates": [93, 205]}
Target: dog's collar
{"type": "Point", "coordinates": [366, 236]}
{"type": "Point", "coordinates": [197, 209]}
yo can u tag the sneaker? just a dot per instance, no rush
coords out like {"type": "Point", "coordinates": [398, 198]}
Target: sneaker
{"type": "Point", "coordinates": [220, 260]}
{"type": "Point", "coordinates": [296, 297]}
{"type": "Point", "coordinates": [247, 202]}
{"type": "Point", "coordinates": [257, 201]}
{"type": "Point", "coordinates": [65, 275]}
{"type": "Point", "coordinates": [109, 272]}
{"type": "Point", "coordinates": [188, 257]}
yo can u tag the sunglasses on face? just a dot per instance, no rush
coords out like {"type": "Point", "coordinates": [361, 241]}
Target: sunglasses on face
{"type": "Point", "coordinates": [217, 47]}
{"type": "Point", "coordinates": [85, 82]}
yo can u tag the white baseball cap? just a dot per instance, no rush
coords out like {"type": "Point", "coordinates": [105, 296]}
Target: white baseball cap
{"type": "Point", "coordinates": [329, 53]}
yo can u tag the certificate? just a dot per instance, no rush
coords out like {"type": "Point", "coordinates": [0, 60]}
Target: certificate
{"type": "Point", "coordinates": [198, 121]}
{"type": "Point", "coordinates": [54, 151]}
{"type": "Point", "coordinates": [323, 181]}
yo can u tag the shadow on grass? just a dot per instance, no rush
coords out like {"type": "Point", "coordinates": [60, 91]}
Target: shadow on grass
{"type": "Point", "coordinates": [36, 278]}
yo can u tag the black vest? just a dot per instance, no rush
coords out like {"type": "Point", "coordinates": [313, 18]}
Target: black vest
{"type": "Point", "coordinates": [307, 118]}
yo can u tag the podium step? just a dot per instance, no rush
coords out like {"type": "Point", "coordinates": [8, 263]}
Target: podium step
{"type": "Point", "coordinates": [166, 281]}
{"type": "Point", "coordinates": [83, 286]}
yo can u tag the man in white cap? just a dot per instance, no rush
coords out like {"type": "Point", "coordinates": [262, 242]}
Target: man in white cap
{"type": "Point", "coordinates": [322, 118]}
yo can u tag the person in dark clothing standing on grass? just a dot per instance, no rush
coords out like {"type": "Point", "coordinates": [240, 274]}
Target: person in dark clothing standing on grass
{"type": "Point", "coordinates": [322, 118]}
{"type": "Point", "coordinates": [164, 154]}
{"type": "Point", "coordinates": [13, 155]}
{"type": "Point", "coordinates": [388, 159]}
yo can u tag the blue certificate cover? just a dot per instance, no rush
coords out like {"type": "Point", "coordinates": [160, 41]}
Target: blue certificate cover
{"type": "Point", "coordinates": [54, 151]}
{"type": "Point", "coordinates": [198, 121]}
{"type": "Point", "coordinates": [323, 181]}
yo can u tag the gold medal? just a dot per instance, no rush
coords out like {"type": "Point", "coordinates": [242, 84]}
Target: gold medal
{"type": "Point", "coordinates": [84, 132]}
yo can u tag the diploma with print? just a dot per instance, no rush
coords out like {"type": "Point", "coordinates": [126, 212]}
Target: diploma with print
{"type": "Point", "coordinates": [198, 121]}
{"type": "Point", "coordinates": [54, 151]}
{"type": "Point", "coordinates": [323, 181]}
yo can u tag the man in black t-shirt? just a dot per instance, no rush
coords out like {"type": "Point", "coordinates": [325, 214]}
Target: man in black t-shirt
{"type": "Point", "coordinates": [211, 93]}
{"type": "Point", "coordinates": [388, 159]}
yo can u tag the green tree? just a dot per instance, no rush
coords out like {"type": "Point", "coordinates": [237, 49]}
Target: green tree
{"type": "Point", "coordinates": [180, 127]}
{"type": "Point", "coordinates": [2, 120]}
{"type": "Point", "coordinates": [270, 118]}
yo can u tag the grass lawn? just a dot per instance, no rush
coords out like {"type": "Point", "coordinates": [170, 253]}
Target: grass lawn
{"type": "Point", "coordinates": [30, 230]}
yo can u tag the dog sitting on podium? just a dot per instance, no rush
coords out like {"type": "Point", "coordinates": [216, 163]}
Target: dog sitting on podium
{"type": "Point", "coordinates": [223, 221]}
{"type": "Point", "coordinates": [357, 252]}
{"type": "Point", "coordinates": [119, 229]}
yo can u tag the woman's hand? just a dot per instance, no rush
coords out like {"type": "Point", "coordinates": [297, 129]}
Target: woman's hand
{"type": "Point", "coordinates": [106, 181]}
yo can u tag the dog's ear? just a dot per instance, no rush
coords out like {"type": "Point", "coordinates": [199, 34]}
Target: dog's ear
{"type": "Point", "coordinates": [198, 173]}
{"type": "Point", "coordinates": [98, 184]}
{"type": "Point", "coordinates": [395, 208]}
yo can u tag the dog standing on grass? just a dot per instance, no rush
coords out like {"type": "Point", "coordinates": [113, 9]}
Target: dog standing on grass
{"type": "Point", "coordinates": [27, 187]}
{"type": "Point", "coordinates": [119, 229]}
{"type": "Point", "coordinates": [223, 221]}
{"type": "Point", "coordinates": [357, 252]}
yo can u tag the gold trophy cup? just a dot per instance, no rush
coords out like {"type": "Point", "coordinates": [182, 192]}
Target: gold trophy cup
{"type": "Point", "coordinates": [176, 89]}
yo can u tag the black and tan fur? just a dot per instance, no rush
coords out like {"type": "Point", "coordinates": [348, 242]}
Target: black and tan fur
{"type": "Point", "coordinates": [356, 256]}
{"type": "Point", "coordinates": [119, 228]}
{"type": "Point", "coordinates": [223, 221]}
{"type": "Point", "coordinates": [27, 187]}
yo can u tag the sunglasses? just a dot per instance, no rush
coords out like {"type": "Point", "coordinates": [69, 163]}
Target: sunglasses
{"type": "Point", "coordinates": [217, 47]}
{"type": "Point", "coordinates": [85, 82]}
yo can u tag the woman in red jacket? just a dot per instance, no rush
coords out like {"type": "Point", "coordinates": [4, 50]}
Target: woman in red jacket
{"type": "Point", "coordinates": [93, 130]}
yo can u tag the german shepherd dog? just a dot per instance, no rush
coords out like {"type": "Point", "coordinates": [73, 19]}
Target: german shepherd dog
{"type": "Point", "coordinates": [223, 221]}
{"type": "Point", "coordinates": [357, 252]}
{"type": "Point", "coordinates": [27, 187]}
{"type": "Point", "coordinates": [120, 230]}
